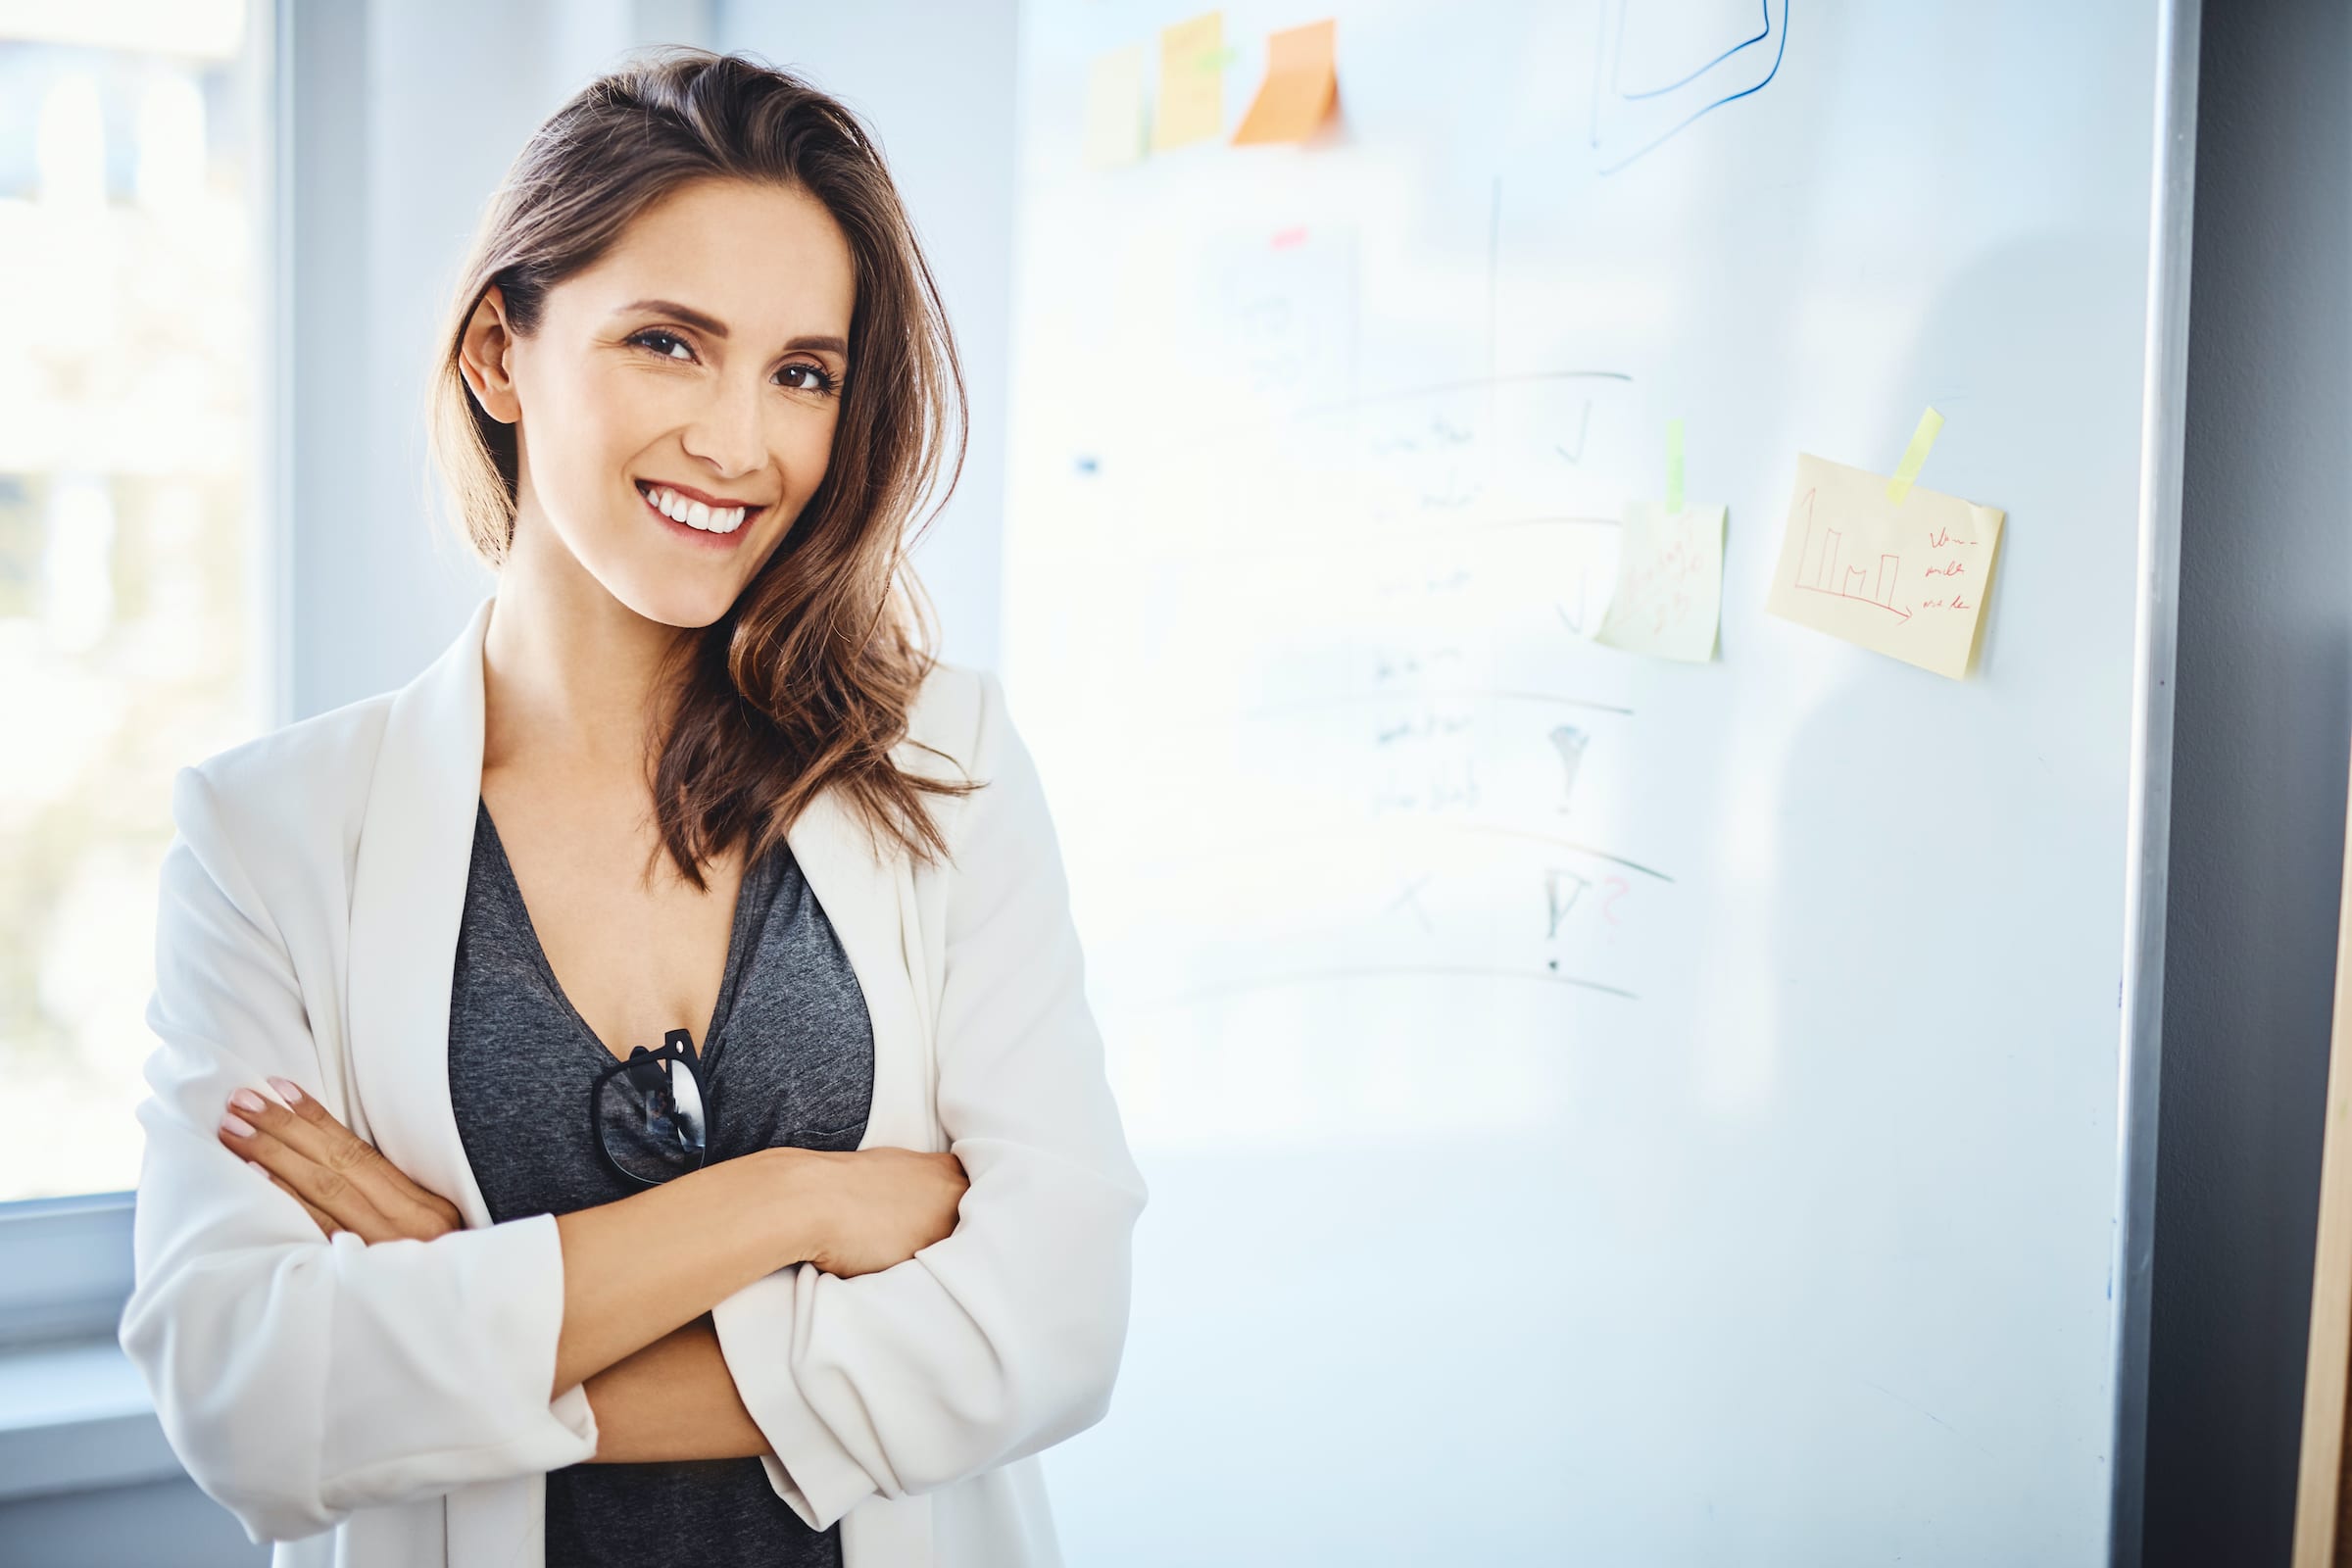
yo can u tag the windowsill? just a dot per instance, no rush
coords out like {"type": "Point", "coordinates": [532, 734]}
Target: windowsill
{"type": "Point", "coordinates": [75, 1415]}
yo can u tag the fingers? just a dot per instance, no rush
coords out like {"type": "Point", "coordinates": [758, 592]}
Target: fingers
{"type": "Point", "coordinates": [287, 1147]}
{"type": "Point", "coordinates": [324, 1221]}
{"type": "Point", "coordinates": [414, 1209]}
{"type": "Point", "coordinates": [331, 1168]}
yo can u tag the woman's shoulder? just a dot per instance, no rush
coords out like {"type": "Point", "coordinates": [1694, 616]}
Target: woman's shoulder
{"type": "Point", "coordinates": [949, 717]}
{"type": "Point", "coordinates": [290, 783]}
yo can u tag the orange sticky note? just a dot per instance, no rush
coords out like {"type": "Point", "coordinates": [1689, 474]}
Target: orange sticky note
{"type": "Point", "coordinates": [1192, 81]}
{"type": "Point", "coordinates": [1302, 81]}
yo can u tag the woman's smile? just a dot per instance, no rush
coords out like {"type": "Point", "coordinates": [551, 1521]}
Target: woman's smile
{"type": "Point", "coordinates": [720, 530]}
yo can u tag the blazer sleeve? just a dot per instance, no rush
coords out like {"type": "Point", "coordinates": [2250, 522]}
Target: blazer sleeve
{"type": "Point", "coordinates": [299, 1377]}
{"type": "Point", "coordinates": [1004, 1338]}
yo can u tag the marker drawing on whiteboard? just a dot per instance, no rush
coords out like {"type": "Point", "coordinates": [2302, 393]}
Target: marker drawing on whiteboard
{"type": "Point", "coordinates": [1410, 899]}
{"type": "Point", "coordinates": [1569, 742]}
{"type": "Point", "coordinates": [1561, 891]}
{"type": "Point", "coordinates": [1583, 427]}
{"type": "Point", "coordinates": [1426, 727]}
{"type": "Point", "coordinates": [1351, 974]}
{"type": "Point", "coordinates": [1554, 840]}
{"type": "Point", "coordinates": [1629, 123]}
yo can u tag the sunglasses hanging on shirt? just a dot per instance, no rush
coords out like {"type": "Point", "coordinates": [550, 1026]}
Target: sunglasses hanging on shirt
{"type": "Point", "coordinates": [648, 1114]}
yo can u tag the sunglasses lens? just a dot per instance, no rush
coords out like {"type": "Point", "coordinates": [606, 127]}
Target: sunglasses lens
{"type": "Point", "coordinates": [650, 1117]}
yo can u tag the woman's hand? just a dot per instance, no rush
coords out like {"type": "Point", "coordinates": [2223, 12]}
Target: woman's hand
{"type": "Point", "coordinates": [876, 1208]}
{"type": "Point", "coordinates": [331, 1171]}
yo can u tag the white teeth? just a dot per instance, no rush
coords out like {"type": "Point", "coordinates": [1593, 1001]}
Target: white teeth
{"type": "Point", "coordinates": [695, 514]}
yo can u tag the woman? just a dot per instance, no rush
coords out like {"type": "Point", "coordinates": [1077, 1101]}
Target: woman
{"type": "Point", "coordinates": [628, 1095]}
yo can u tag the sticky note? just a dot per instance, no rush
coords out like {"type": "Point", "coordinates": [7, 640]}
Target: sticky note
{"type": "Point", "coordinates": [1114, 109]}
{"type": "Point", "coordinates": [1907, 580]}
{"type": "Point", "coordinates": [1669, 598]}
{"type": "Point", "coordinates": [1301, 81]}
{"type": "Point", "coordinates": [1192, 82]}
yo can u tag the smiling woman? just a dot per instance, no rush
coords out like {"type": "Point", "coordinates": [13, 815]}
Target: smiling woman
{"type": "Point", "coordinates": [815, 1281]}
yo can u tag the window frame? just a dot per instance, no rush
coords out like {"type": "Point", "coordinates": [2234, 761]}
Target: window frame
{"type": "Point", "coordinates": [65, 1266]}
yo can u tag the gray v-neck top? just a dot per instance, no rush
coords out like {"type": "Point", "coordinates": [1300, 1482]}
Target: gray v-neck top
{"type": "Point", "coordinates": [789, 1057]}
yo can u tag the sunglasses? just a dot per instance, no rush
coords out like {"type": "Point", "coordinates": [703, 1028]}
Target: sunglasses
{"type": "Point", "coordinates": [651, 1114]}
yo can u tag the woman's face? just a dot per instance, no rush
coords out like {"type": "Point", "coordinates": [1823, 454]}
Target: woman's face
{"type": "Point", "coordinates": [702, 354]}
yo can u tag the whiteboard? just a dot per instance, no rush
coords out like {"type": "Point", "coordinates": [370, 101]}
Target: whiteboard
{"type": "Point", "coordinates": [1599, 1109]}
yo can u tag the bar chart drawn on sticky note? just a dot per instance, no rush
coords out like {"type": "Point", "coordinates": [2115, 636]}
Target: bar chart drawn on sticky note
{"type": "Point", "coordinates": [1908, 579]}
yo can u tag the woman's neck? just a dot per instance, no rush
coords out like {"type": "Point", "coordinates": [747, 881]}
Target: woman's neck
{"type": "Point", "coordinates": [568, 670]}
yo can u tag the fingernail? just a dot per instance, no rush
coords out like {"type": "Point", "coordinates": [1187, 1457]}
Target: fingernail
{"type": "Point", "coordinates": [288, 1088]}
{"type": "Point", "coordinates": [246, 1099]}
{"type": "Point", "coordinates": [237, 1126]}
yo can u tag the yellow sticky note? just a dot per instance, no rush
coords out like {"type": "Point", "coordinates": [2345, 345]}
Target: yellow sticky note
{"type": "Point", "coordinates": [1302, 81]}
{"type": "Point", "coordinates": [1906, 579]}
{"type": "Point", "coordinates": [1192, 82]}
{"type": "Point", "coordinates": [1114, 108]}
{"type": "Point", "coordinates": [1669, 597]}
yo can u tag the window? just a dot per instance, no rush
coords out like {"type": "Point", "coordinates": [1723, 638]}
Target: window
{"type": "Point", "coordinates": [133, 570]}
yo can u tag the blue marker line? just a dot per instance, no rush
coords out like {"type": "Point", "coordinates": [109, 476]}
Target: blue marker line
{"type": "Point", "coordinates": [1707, 108]}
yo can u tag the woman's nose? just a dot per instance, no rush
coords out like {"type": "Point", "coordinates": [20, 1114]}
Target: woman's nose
{"type": "Point", "coordinates": [730, 433]}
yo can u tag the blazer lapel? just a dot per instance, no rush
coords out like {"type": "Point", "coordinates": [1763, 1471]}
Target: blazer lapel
{"type": "Point", "coordinates": [861, 895]}
{"type": "Point", "coordinates": [408, 899]}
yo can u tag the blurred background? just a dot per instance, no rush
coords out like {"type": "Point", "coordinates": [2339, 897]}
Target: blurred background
{"type": "Point", "coordinates": [135, 599]}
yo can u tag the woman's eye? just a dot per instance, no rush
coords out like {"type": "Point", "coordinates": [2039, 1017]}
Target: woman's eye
{"type": "Point", "coordinates": [813, 377]}
{"type": "Point", "coordinates": [647, 338]}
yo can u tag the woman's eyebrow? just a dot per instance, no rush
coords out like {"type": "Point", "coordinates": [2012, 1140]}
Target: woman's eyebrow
{"type": "Point", "coordinates": [704, 322]}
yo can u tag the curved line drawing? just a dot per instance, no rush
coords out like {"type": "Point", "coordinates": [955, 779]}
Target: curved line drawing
{"type": "Point", "coordinates": [1618, 64]}
{"type": "Point", "coordinates": [1708, 81]}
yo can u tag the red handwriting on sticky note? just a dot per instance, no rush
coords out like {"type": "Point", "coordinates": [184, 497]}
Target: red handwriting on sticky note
{"type": "Point", "coordinates": [1301, 81]}
{"type": "Point", "coordinates": [1905, 578]}
{"type": "Point", "coordinates": [1669, 598]}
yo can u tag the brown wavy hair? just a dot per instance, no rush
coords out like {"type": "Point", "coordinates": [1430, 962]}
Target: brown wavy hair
{"type": "Point", "coordinates": [807, 680]}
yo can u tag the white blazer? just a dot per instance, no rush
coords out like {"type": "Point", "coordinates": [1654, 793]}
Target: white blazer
{"type": "Point", "coordinates": [386, 1406]}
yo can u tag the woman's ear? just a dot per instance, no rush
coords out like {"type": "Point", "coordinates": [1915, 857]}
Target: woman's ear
{"type": "Point", "coordinates": [482, 358]}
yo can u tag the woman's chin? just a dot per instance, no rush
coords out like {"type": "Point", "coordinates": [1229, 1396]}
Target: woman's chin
{"type": "Point", "coordinates": [658, 596]}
